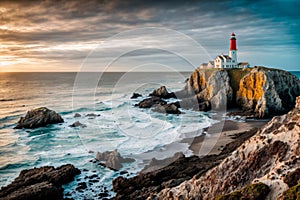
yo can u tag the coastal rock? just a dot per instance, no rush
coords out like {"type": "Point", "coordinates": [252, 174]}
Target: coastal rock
{"type": "Point", "coordinates": [157, 164]}
{"type": "Point", "coordinates": [135, 95]}
{"type": "Point", "coordinates": [93, 115]}
{"type": "Point", "coordinates": [171, 108]}
{"type": "Point", "coordinates": [148, 183]}
{"type": "Point", "coordinates": [259, 92]}
{"type": "Point", "coordinates": [268, 92]}
{"type": "Point", "coordinates": [77, 115]}
{"type": "Point", "coordinates": [112, 159]}
{"type": "Point", "coordinates": [209, 85]}
{"type": "Point", "coordinates": [149, 102]}
{"type": "Point", "coordinates": [162, 92]}
{"type": "Point", "coordinates": [78, 124]}
{"type": "Point", "coordinates": [267, 157]}
{"type": "Point", "coordinates": [38, 118]}
{"type": "Point", "coordinates": [39, 183]}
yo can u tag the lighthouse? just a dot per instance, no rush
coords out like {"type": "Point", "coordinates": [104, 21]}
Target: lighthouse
{"type": "Point", "coordinates": [226, 61]}
{"type": "Point", "coordinates": [233, 50]}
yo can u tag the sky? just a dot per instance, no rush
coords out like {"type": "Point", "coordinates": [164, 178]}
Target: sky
{"type": "Point", "coordinates": [119, 35]}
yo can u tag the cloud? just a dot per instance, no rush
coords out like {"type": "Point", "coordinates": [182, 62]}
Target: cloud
{"type": "Point", "coordinates": [63, 31]}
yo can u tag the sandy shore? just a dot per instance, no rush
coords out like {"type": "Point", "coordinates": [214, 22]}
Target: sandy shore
{"type": "Point", "coordinates": [220, 134]}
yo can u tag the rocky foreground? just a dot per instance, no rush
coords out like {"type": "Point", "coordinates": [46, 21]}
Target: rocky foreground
{"type": "Point", "coordinates": [263, 165]}
{"type": "Point", "coordinates": [39, 183]}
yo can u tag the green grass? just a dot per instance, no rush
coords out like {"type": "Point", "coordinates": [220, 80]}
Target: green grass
{"type": "Point", "coordinates": [250, 192]}
{"type": "Point", "coordinates": [293, 193]}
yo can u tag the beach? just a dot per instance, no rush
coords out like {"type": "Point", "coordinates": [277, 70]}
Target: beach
{"type": "Point", "coordinates": [223, 132]}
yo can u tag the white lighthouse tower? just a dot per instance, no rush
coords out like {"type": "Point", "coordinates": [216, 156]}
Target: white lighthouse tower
{"type": "Point", "coordinates": [233, 50]}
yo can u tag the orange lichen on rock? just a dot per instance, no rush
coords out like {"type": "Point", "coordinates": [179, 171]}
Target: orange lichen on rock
{"type": "Point", "coordinates": [251, 89]}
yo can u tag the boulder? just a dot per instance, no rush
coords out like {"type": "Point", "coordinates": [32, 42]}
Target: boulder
{"type": "Point", "coordinates": [112, 159]}
{"type": "Point", "coordinates": [171, 108]}
{"type": "Point", "coordinates": [135, 95]}
{"type": "Point", "coordinates": [78, 124]}
{"type": "Point", "coordinates": [39, 117]}
{"type": "Point", "coordinates": [77, 115]}
{"type": "Point", "coordinates": [39, 183]}
{"type": "Point", "coordinates": [149, 102]}
{"type": "Point", "coordinates": [162, 92]}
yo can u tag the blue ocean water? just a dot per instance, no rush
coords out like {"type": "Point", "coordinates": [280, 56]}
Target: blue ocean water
{"type": "Point", "coordinates": [141, 134]}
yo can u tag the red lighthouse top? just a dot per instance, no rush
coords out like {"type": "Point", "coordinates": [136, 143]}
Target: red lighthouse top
{"type": "Point", "coordinates": [232, 42]}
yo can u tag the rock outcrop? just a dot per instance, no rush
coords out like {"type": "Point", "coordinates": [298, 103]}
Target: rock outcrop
{"type": "Point", "coordinates": [149, 102]}
{"type": "Point", "coordinates": [259, 92]}
{"type": "Point", "coordinates": [268, 92]}
{"type": "Point", "coordinates": [77, 124]}
{"type": "Point", "coordinates": [209, 85]}
{"type": "Point", "coordinates": [112, 159]}
{"type": "Point", "coordinates": [39, 117]}
{"type": "Point", "coordinates": [163, 93]}
{"type": "Point", "coordinates": [267, 157]}
{"type": "Point", "coordinates": [39, 183]}
{"type": "Point", "coordinates": [135, 95]}
{"type": "Point", "coordinates": [171, 108]}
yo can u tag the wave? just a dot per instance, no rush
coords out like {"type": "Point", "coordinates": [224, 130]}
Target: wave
{"type": "Point", "coordinates": [78, 110]}
{"type": "Point", "coordinates": [15, 166]}
{"type": "Point", "coordinates": [9, 117]}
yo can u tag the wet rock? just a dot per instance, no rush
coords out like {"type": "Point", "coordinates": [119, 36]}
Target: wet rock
{"type": "Point", "coordinates": [40, 183]}
{"type": "Point", "coordinates": [123, 172]}
{"type": "Point", "coordinates": [112, 159]}
{"type": "Point", "coordinates": [157, 164]}
{"type": "Point", "coordinates": [78, 124]}
{"type": "Point", "coordinates": [39, 117]}
{"type": "Point", "coordinates": [149, 102]}
{"type": "Point", "coordinates": [81, 186]}
{"type": "Point", "coordinates": [135, 95]}
{"type": "Point", "coordinates": [103, 194]}
{"type": "Point", "coordinates": [92, 115]}
{"type": "Point", "coordinates": [162, 92]}
{"type": "Point", "coordinates": [171, 108]}
{"type": "Point", "coordinates": [77, 115]}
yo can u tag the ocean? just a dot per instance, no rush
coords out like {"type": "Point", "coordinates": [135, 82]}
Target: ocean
{"type": "Point", "coordinates": [117, 124]}
{"type": "Point", "coordinates": [137, 133]}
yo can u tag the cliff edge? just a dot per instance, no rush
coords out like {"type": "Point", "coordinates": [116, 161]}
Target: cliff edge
{"type": "Point", "coordinates": [259, 91]}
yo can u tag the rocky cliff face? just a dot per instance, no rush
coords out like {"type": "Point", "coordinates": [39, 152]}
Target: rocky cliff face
{"type": "Point", "coordinates": [260, 91]}
{"type": "Point", "coordinates": [267, 157]}
{"type": "Point", "coordinates": [268, 92]}
{"type": "Point", "coordinates": [210, 85]}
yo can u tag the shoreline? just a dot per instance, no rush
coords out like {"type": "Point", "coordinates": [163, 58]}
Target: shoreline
{"type": "Point", "coordinates": [221, 134]}
{"type": "Point", "coordinates": [232, 135]}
